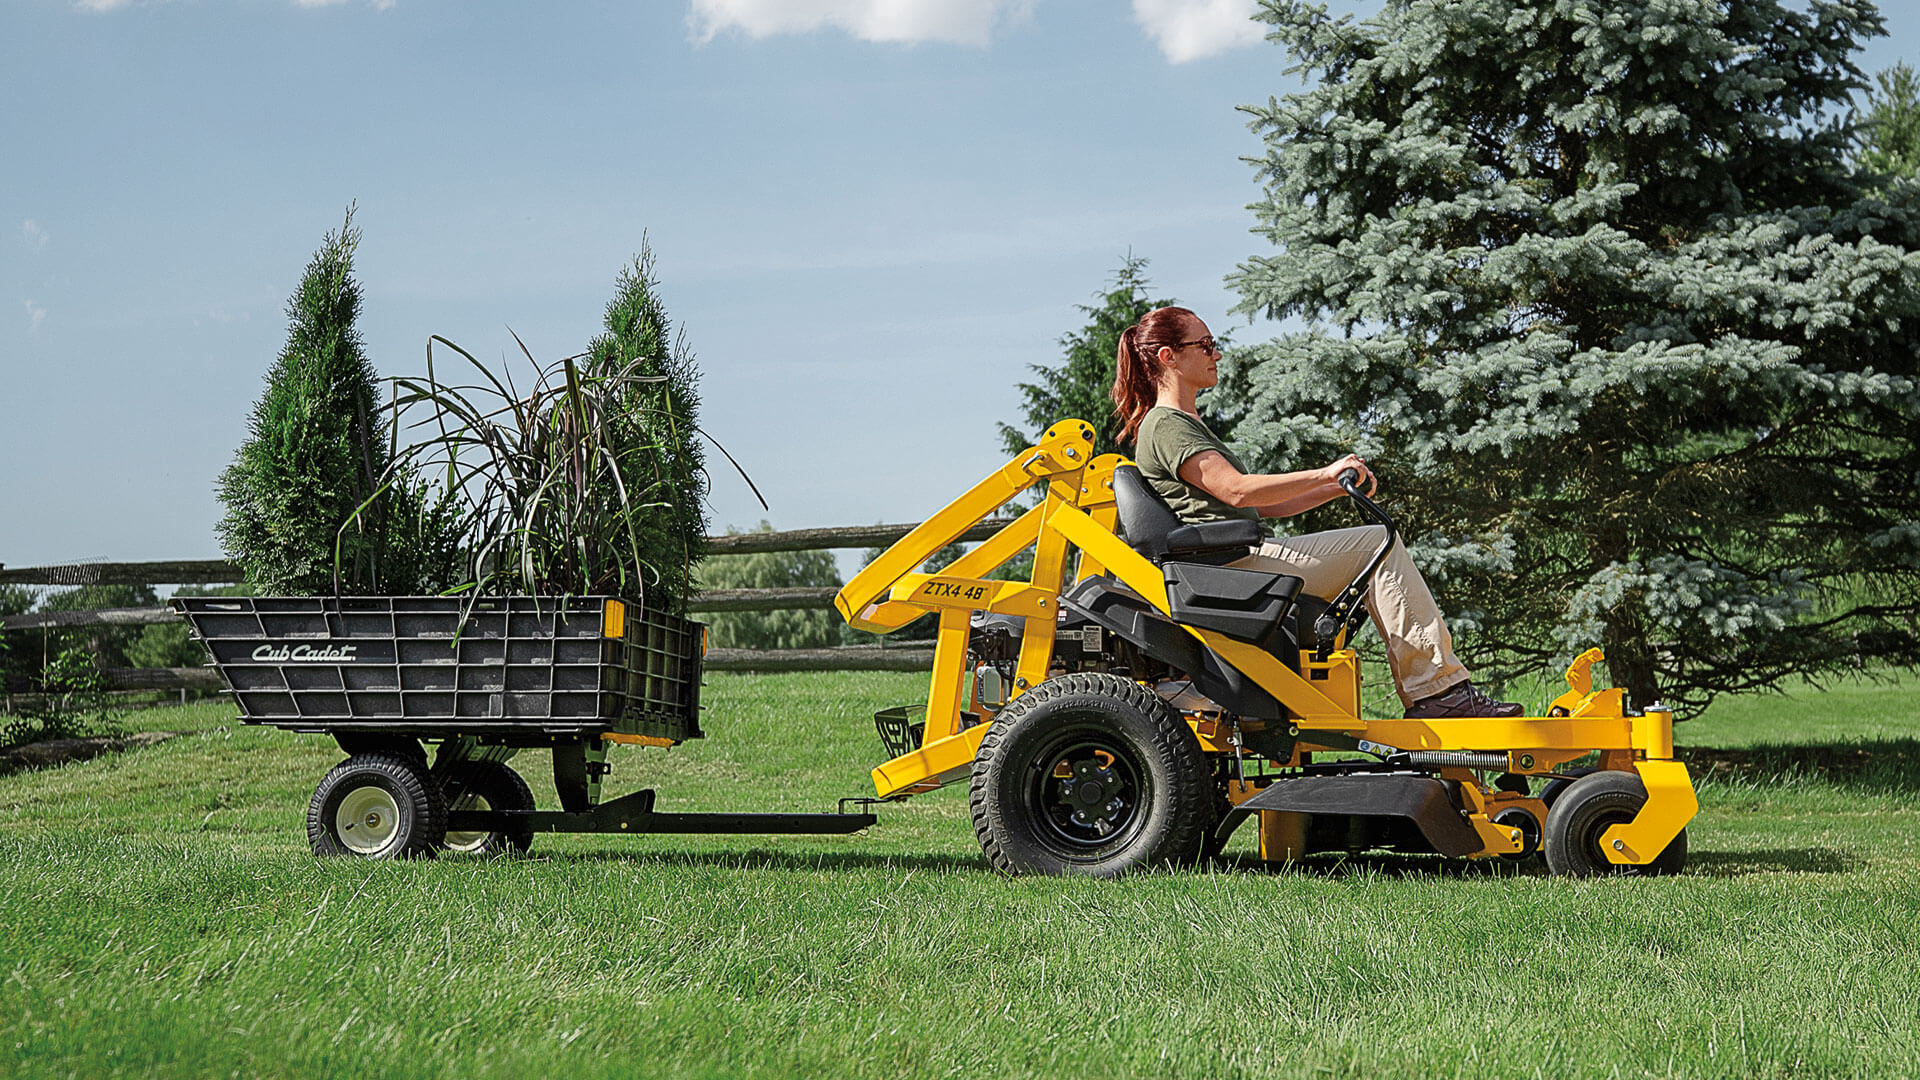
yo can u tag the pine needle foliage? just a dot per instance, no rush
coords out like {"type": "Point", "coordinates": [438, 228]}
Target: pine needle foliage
{"type": "Point", "coordinates": [1597, 288]}
{"type": "Point", "coordinates": [656, 425]}
{"type": "Point", "coordinates": [311, 504]}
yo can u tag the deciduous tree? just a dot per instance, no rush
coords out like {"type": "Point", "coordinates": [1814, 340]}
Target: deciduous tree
{"type": "Point", "coordinates": [791, 629]}
{"type": "Point", "coordinates": [1890, 131]}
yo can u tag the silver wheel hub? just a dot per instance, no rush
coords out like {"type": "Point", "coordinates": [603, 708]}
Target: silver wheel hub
{"type": "Point", "coordinates": [367, 819]}
{"type": "Point", "coordinates": [469, 841]}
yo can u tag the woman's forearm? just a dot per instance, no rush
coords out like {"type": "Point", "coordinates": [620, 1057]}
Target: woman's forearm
{"type": "Point", "coordinates": [1301, 501]}
{"type": "Point", "coordinates": [1272, 494]}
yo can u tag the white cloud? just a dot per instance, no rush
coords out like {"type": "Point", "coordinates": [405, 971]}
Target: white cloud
{"type": "Point", "coordinates": [957, 22]}
{"type": "Point", "coordinates": [33, 235]}
{"type": "Point", "coordinates": [35, 315]}
{"type": "Point", "coordinates": [1194, 29]}
{"type": "Point", "coordinates": [101, 5]}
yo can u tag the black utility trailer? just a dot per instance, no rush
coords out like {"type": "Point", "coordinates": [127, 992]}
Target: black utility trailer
{"type": "Point", "coordinates": [478, 681]}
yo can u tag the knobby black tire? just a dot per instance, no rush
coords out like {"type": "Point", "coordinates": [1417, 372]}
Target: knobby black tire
{"type": "Point", "coordinates": [1584, 810]}
{"type": "Point", "coordinates": [1171, 797]}
{"type": "Point", "coordinates": [420, 823]}
{"type": "Point", "coordinates": [499, 787]}
{"type": "Point", "coordinates": [1213, 842]}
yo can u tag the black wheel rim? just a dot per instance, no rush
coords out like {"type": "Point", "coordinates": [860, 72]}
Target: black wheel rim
{"type": "Point", "coordinates": [1530, 833]}
{"type": "Point", "coordinates": [1595, 827]}
{"type": "Point", "coordinates": [1087, 794]}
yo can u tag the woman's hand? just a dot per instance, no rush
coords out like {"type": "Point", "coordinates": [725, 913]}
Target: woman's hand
{"type": "Point", "coordinates": [1352, 461]}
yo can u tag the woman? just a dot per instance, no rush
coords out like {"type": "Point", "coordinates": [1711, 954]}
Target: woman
{"type": "Point", "coordinates": [1167, 358]}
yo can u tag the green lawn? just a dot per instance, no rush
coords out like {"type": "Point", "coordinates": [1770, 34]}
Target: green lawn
{"type": "Point", "coordinates": [163, 916]}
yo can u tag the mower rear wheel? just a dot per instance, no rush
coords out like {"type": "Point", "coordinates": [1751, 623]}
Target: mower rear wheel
{"type": "Point", "coordinates": [376, 806]}
{"type": "Point", "coordinates": [488, 785]}
{"type": "Point", "coordinates": [1089, 774]}
{"type": "Point", "coordinates": [1585, 810]}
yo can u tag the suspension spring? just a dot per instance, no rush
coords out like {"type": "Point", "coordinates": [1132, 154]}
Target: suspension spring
{"type": "Point", "coordinates": [1454, 759]}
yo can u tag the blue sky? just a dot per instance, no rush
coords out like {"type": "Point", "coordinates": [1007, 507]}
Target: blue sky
{"type": "Point", "coordinates": [870, 216]}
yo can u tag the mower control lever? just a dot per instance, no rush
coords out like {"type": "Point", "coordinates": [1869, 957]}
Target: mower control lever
{"type": "Point", "coordinates": [1344, 611]}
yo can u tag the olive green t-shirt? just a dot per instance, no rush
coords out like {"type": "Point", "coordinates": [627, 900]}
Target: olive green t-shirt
{"type": "Point", "coordinates": [1168, 437]}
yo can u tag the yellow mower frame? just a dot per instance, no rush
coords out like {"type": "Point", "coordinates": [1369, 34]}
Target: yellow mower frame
{"type": "Point", "coordinates": [1321, 696]}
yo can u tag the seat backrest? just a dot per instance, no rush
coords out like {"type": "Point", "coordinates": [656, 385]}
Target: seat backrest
{"type": "Point", "coordinates": [1145, 518]}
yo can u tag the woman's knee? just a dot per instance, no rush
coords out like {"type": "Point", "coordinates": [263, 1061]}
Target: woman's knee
{"type": "Point", "coordinates": [1375, 535]}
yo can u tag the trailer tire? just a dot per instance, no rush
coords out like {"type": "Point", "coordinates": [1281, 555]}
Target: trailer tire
{"type": "Point", "coordinates": [488, 785]}
{"type": "Point", "coordinates": [1136, 790]}
{"type": "Point", "coordinates": [377, 806]}
{"type": "Point", "coordinates": [1585, 810]}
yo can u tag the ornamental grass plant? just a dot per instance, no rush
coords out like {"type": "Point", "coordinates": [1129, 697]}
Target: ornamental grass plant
{"type": "Point", "coordinates": [592, 479]}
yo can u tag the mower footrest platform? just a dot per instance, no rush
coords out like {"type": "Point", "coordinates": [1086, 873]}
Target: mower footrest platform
{"type": "Point", "coordinates": [1420, 799]}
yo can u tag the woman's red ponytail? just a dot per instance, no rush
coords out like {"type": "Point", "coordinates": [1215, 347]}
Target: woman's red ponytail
{"type": "Point", "coordinates": [1136, 376]}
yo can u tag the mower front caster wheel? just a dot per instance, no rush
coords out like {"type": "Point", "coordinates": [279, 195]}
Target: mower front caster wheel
{"type": "Point", "coordinates": [1089, 774]}
{"type": "Point", "coordinates": [377, 806]}
{"type": "Point", "coordinates": [1585, 810]}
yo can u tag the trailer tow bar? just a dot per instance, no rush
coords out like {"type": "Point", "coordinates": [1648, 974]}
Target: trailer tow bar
{"type": "Point", "coordinates": [634, 813]}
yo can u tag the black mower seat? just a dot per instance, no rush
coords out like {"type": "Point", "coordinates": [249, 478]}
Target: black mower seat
{"type": "Point", "coordinates": [1155, 531]}
{"type": "Point", "coordinates": [1202, 591]}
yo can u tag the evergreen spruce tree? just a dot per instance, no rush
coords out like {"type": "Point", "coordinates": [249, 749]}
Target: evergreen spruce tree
{"type": "Point", "coordinates": [655, 431]}
{"type": "Point", "coordinates": [1633, 347]}
{"type": "Point", "coordinates": [1081, 387]}
{"type": "Point", "coordinates": [794, 629]}
{"type": "Point", "coordinates": [312, 482]}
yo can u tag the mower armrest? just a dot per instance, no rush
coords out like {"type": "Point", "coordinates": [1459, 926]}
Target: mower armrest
{"type": "Point", "coordinates": [1214, 536]}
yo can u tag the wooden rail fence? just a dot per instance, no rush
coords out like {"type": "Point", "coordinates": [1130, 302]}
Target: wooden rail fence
{"type": "Point", "coordinates": [219, 571]}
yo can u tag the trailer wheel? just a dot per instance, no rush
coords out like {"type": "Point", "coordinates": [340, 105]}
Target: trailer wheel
{"type": "Point", "coordinates": [488, 785]}
{"type": "Point", "coordinates": [376, 806]}
{"type": "Point", "coordinates": [1585, 810]}
{"type": "Point", "coordinates": [1089, 774]}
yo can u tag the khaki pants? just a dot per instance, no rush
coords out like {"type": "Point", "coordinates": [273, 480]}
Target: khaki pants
{"type": "Point", "coordinates": [1419, 648]}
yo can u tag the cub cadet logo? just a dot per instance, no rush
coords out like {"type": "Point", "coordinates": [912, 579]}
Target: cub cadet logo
{"type": "Point", "coordinates": [305, 654]}
{"type": "Point", "coordinates": [942, 590]}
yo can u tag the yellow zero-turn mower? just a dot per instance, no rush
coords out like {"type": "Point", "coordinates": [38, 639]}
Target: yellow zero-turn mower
{"type": "Point", "coordinates": [1139, 711]}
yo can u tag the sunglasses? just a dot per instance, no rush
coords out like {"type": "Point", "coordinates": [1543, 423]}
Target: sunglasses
{"type": "Point", "coordinates": [1207, 344]}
